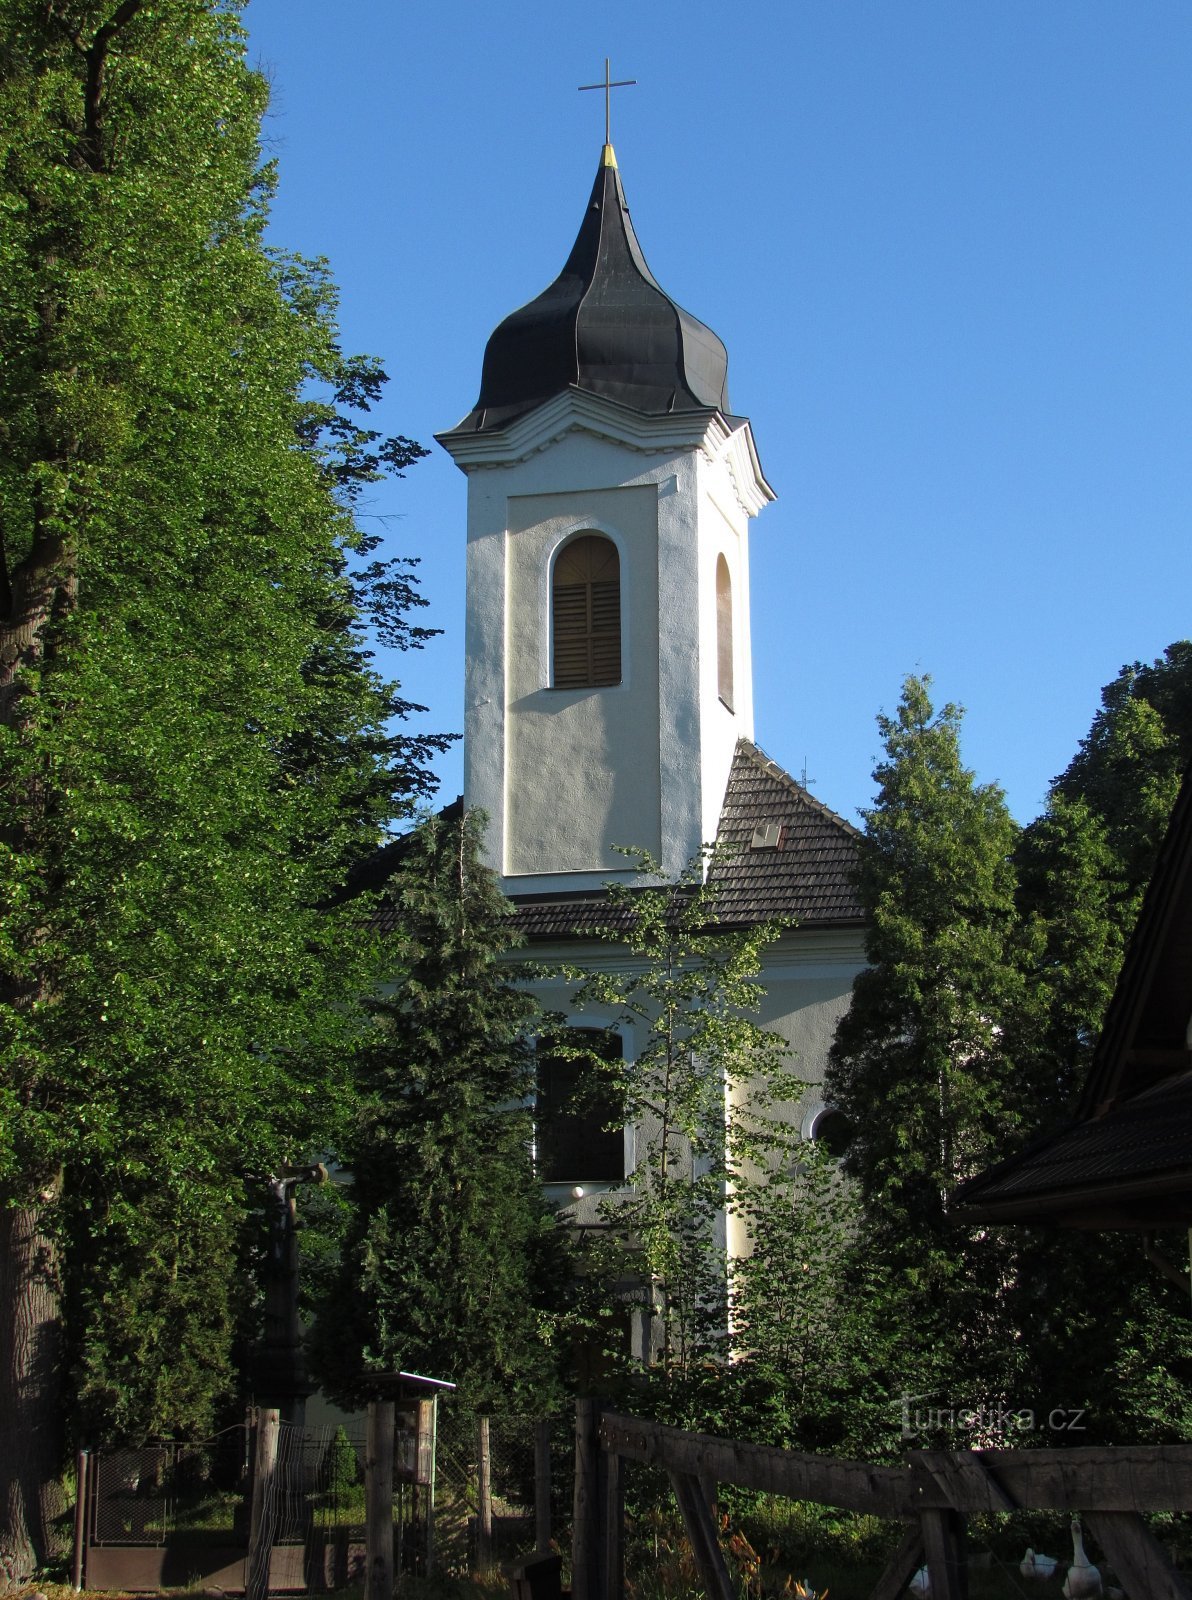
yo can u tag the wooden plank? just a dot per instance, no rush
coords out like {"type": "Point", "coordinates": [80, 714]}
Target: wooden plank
{"type": "Point", "coordinates": [902, 1565]}
{"type": "Point", "coordinates": [701, 1531]}
{"type": "Point", "coordinates": [853, 1485]}
{"type": "Point", "coordinates": [586, 1551]}
{"type": "Point", "coordinates": [965, 1477]}
{"type": "Point", "coordinates": [484, 1496]}
{"type": "Point", "coordinates": [1140, 1561]}
{"type": "Point", "coordinates": [263, 1516]}
{"type": "Point", "coordinates": [378, 1500]}
{"type": "Point", "coordinates": [614, 1527]}
{"type": "Point", "coordinates": [943, 1542]}
{"type": "Point", "coordinates": [1111, 1478]}
{"type": "Point", "coordinates": [542, 1484]}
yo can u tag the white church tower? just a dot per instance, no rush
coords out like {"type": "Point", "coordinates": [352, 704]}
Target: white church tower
{"type": "Point", "coordinates": [610, 490]}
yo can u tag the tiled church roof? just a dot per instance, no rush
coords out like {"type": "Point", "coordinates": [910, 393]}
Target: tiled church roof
{"type": "Point", "coordinates": [785, 855]}
{"type": "Point", "coordinates": [802, 868]}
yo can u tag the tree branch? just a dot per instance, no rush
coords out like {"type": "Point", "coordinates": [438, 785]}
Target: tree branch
{"type": "Point", "coordinates": [97, 60]}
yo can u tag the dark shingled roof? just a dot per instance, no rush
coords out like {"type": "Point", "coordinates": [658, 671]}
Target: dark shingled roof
{"type": "Point", "coordinates": [805, 875]}
{"type": "Point", "coordinates": [606, 326]}
{"type": "Point", "coordinates": [1126, 1162]}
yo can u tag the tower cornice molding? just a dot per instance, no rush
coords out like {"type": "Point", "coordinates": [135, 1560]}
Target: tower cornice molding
{"type": "Point", "coordinates": [717, 437]}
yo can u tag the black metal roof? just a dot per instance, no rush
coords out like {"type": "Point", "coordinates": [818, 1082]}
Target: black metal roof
{"type": "Point", "coordinates": [605, 326]}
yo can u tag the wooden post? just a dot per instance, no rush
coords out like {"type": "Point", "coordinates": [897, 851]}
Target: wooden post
{"type": "Point", "coordinates": [586, 1526]}
{"type": "Point", "coordinates": [429, 1491]}
{"type": "Point", "coordinates": [1138, 1558]}
{"type": "Point", "coordinates": [702, 1535]}
{"type": "Point", "coordinates": [943, 1540]}
{"type": "Point", "coordinates": [378, 1501]}
{"type": "Point", "coordinates": [542, 1484]}
{"type": "Point", "coordinates": [484, 1496]}
{"type": "Point", "coordinates": [614, 1526]}
{"type": "Point", "coordinates": [902, 1566]}
{"type": "Point", "coordinates": [80, 1518]}
{"type": "Point", "coordinates": [264, 1505]}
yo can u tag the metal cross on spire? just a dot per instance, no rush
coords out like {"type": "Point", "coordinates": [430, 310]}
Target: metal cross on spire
{"type": "Point", "coordinates": [608, 86]}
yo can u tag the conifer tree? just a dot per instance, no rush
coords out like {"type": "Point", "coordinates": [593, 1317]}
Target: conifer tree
{"type": "Point", "coordinates": [453, 1265]}
{"type": "Point", "coordinates": [1104, 1332]}
{"type": "Point", "coordinates": [919, 1064]}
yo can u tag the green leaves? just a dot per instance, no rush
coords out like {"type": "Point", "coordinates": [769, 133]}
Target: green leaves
{"type": "Point", "coordinates": [194, 747]}
{"type": "Point", "coordinates": [701, 1084]}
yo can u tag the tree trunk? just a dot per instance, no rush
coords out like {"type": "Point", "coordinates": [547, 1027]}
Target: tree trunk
{"type": "Point", "coordinates": [31, 1496]}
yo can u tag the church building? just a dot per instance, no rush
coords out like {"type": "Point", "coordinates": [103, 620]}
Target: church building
{"type": "Point", "coordinates": [609, 694]}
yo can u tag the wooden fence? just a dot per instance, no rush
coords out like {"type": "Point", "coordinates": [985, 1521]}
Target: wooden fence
{"type": "Point", "coordinates": [934, 1492]}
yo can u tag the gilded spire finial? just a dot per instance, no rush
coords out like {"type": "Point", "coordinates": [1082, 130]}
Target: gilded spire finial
{"type": "Point", "coordinates": [608, 85]}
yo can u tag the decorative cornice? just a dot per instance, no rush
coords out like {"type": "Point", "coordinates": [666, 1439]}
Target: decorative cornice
{"type": "Point", "coordinates": [719, 438]}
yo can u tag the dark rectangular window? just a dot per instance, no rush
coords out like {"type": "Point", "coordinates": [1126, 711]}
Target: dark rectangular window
{"type": "Point", "coordinates": [578, 1118]}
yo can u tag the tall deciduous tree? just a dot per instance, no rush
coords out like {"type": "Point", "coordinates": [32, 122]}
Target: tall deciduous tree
{"type": "Point", "coordinates": [453, 1265]}
{"type": "Point", "coordinates": [701, 1084]}
{"type": "Point", "coordinates": [192, 746]}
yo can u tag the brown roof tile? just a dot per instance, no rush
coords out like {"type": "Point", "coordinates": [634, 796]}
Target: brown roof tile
{"type": "Point", "coordinates": [808, 876]}
{"type": "Point", "coordinates": [805, 877]}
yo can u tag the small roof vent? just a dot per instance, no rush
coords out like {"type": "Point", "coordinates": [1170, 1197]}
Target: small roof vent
{"type": "Point", "coordinates": [767, 836]}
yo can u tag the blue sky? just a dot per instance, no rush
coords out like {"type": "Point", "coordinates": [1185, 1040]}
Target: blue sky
{"type": "Point", "coordinates": [948, 244]}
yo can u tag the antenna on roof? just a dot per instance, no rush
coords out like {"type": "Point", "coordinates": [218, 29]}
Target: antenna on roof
{"type": "Point", "coordinates": [803, 778]}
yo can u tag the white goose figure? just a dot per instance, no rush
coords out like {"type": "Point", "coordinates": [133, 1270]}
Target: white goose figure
{"type": "Point", "coordinates": [1084, 1580]}
{"type": "Point", "coordinates": [1037, 1566]}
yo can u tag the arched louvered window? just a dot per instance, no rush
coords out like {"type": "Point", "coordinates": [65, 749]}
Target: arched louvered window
{"type": "Point", "coordinates": [724, 632]}
{"type": "Point", "coordinates": [586, 605]}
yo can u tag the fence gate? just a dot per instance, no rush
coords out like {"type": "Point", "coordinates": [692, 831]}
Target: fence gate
{"type": "Point", "coordinates": [178, 1515]}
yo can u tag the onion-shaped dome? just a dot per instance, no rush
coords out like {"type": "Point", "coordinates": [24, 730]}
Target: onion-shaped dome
{"type": "Point", "coordinates": [604, 326]}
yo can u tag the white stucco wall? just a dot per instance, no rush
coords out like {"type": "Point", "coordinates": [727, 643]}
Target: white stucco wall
{"type": "Point", "coordinates": [566, 775]}
{"type": "Point", "coordinates": [581, 765]}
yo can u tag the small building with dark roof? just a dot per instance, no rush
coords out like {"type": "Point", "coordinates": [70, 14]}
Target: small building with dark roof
{"type": "Point", "coordinates": [1125, 1159]}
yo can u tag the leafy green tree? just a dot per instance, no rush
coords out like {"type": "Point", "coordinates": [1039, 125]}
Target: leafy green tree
{"type": "Point", "coordinates": [453, 1264]}
{"type": "Point", "coordinates": [791, 1303]}
{"type": "Point", "coordinates": [701, 1084]}
{"type": "Point", "coordinates": [919, 1064]}
{"type": "Point", "coordinates": [193, 748]}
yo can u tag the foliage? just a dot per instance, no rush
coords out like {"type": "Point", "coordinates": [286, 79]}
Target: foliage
{"type": "Point", "coordinates": [452, 1264]}
{"type": "Point", "coordinates": [922, 1037]}
{"type": "Point", "coordinates": [791, 1306]}
{"type": "Point", "coordinates": [919, 1062]}
{"type": "Point", "coordinates": [1104, 1332]}
{"type": "Point", "coordinates": [193, 746]}
{"type": "Point", "coordinates": [1085, 863]}
{"type": "Point", "coordinates": [700, 1083]}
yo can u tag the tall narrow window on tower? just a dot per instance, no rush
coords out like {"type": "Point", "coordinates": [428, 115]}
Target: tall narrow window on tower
{"type": "Point", "coordinates": [586, 608]}
{"type": "Point", "coordinates": [724, 633]}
